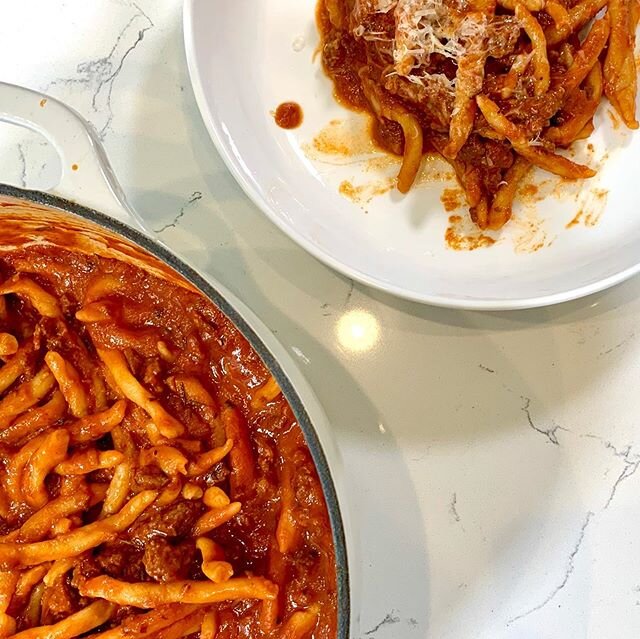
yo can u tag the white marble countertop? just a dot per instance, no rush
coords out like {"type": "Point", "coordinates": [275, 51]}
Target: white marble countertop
{"type": "Point", "coordinates": [492, 458]}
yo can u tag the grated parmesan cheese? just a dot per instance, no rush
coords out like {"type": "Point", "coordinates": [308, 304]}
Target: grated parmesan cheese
{"type": "Point", "coordinates": [422, 28]}
{"type": "Point", "coordinates": [384, 6]}
{"type": "Point", "coordinates": [425, 27]}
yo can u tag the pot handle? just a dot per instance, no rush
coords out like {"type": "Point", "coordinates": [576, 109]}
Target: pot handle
{"type": "Point", "coordinates": [87, 177]}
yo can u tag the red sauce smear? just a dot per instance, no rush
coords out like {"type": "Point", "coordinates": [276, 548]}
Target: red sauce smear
{"type": "Point", "coordinates": [288, 115]}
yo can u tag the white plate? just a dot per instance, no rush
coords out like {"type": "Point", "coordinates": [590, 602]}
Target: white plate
{"type": "Point", "coordinates": [246, 57]}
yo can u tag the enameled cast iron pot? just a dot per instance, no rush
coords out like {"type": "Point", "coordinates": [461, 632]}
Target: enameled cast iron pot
{"type": "Point", "coordinates": [88, 211]}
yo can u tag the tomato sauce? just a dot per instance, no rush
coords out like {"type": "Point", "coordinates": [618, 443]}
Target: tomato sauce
{"type": "Point", "coordinates": [288, 115]}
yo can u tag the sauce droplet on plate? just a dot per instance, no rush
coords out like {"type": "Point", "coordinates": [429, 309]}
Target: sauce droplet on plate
{"type": "Point", "coordinates": [288, 115]}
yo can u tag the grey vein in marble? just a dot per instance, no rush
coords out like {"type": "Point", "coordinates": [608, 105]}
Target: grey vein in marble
{"type": "Point", "coordinates": [108, 81]}
{"type": "Point", "coordinates": [628, 470]}
{"type": "Point", "coordinates": [390, 619]}
{"type": "Point", "coordinates": [102, 72]}
{"type": "Point", "coordinates": [567, 574]}
{"type": "Point", "coordinates": [618, 345]}
{"type": "Point", "coordinates": [453, 507]}
{"type": "Point", "coordinates": [631, 463]}
{"type": "Point", "coordinates": [349, 295]}
{"type": "Point", "coordinates": [630, 460]}
{"type": "Point", "coordinates": [486, 368]}
{"type": "Point", "coordinates": [194, 197]}
{"type": "Point", "coordinates": [549, 433]}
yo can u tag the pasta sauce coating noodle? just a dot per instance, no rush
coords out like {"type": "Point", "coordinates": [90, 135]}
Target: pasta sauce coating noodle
{"type": "Point", "coordinates": [153, 479]}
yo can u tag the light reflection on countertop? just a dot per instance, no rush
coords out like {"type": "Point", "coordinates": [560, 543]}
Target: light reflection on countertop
{"type": "Point", "coordinates": [358, 331]}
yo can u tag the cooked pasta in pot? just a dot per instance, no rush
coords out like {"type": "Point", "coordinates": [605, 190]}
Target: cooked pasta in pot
{"type": "Point", "coordinates": [153, 479]}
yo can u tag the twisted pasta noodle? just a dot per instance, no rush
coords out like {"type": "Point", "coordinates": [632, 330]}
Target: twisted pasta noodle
{"type": "Point", "coordinates": [470, 76]}
{"type": "Point", "coordinates": [8, 582]}
{"type": "Point", "coordinates": [149, 595]}
{"type": "Point", "coordinates": [266, 393]}
{"type": "Point", "coordinates": [15, 367]}
{"type": "Point", "coordinates": [215, 497]}
{"type": "Point", "coordinates": [241, 454]}
{"type": "Point", "coordinates": [554, 163]}
{"type": "Point", "coordinates": [585, 109]}
{"type": "Point", "coordinates": [119, 486]}
{"type": "Point", "coordinates": [216, 517]}
{"type": "Point", "coordinates": [69, 382]}
{"type": "Point", "coordinates": [286, 533]}
{"type": "Point", "coordinates": [45, 303]}
{"type": "Point", "coordinates": [411, 129]}
{"type": "Point", "coordinates": [540, 157]}
{"type": "Point", "coordinates": [587, 56]}
{"type": "Point", "coordinates": [171, 492]}
{"type": "Point", "coordinates": [213, 565]}
{"type": "Point", "coordinates": [84, 620]}
{"type": "Point", "coordinates": [560, 16]}
{"type": "Point", "coordinates": [58, 570]}
{"type": "Point", "coordinates": [539, 60]}
{"type": "Point", "coordinates": [149, 623]}
{"type": "Point", "coordinates": [15, 467]}
{"type": "Point", "coordinates": [587, 130]}
{"type": "Point", "coordinates": [51, 450]}
{"type": "Point", "coordinates": [529, 5]}
{"type": "Point", "coordinates": [134, 391]}
{"type": "Point", "coordinates": [169, 459]}
{"type": "Point", "coordinates": [76, 541]}
{"type": "Point", "coordinates": [206, 460]}
{"type": "Point", "coordinates": [209, 627]}
{"type": "Point", "coordinates": [88, 461]}
{"type": "Point", "coordinates": [412, 155]}
{"type": "Point", "coordinates": [503, 201]}
{"type": "Point", "coordinates": [192, 491]}
{"type": "Point", "coordinates": [28, 580]}
{"type": "Point", "coordinates": [620, 73]}
{"type": "Point", "coordinates": [94, 426]}
{"type": "Point", "coordinates": [25, 396]}
{"type": "Point", "coordinates": [35, 420]}
{"type": "Point", "coordinates": [579, 16]}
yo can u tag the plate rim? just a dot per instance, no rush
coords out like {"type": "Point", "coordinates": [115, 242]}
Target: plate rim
{"type": "Point", "coordinates": [245, 181]}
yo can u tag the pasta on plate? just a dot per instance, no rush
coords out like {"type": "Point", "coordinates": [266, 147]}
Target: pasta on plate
{"type": "Point", "coordinates": [492, 86]}
{"type": "Point", "coordinates": [153, 480]}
